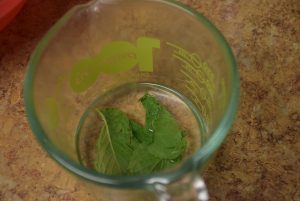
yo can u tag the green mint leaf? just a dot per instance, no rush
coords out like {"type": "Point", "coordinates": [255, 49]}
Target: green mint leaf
{"type": "Point", "coordinates": [142, 162]}
{"type": "Point", "coordinates": [168, 141]}
{"type": "Point", "coordinates": [125, 147]}
{"type": "Point", "coordinates": [115, 143]}
{"type": "Point", "coordinates": [140, 134]}
{"type": "Point", "coordinates": [165, 164]}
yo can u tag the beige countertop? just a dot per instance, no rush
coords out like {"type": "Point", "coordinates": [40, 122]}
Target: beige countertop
{"type": "Point", "coordinates": [260, 159]}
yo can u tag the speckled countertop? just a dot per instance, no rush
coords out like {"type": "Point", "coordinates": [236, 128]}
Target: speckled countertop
{"type": "Point", "coordinates": [260, 159]}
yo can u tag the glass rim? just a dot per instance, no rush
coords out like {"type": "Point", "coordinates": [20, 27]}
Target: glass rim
{"type": "Point", "coordinates": [199, 157]}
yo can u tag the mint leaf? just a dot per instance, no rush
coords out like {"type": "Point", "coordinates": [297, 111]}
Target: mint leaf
{"type": "Point", "coordinates": [165, 164]}
{"type": "Point", "coordinates": [115, 143]}
{"type": "Point", "coordinates": [125, 147]}
{"type": "Point", "coordinates": [142, 162]}
{"type": "Point", "coordinates": [140, 133]}
{"type": "Point", "coordinates": [168, 141]}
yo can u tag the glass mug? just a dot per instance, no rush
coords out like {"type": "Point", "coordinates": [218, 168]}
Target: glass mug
{"type": "Point", "coordinates": [105, 50]}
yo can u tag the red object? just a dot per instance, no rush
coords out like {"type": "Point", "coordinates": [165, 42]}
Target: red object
{"type": "Point", "coordinates": [8, 10]}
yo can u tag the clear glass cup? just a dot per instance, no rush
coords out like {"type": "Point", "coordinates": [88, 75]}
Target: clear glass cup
{"type": "Point", "coordinates": [104, 46]}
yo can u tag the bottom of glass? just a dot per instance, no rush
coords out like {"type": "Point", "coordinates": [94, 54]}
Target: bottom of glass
{"type": "Point", "coordinates": [126, 98]}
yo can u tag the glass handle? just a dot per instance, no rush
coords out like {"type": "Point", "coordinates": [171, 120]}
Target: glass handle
{"type": "Point", "coordinates": [187, 189]}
